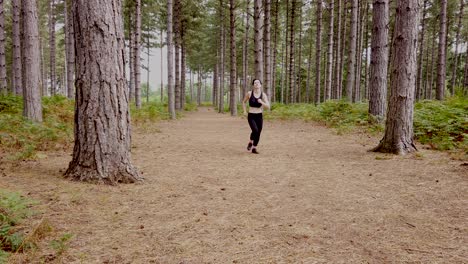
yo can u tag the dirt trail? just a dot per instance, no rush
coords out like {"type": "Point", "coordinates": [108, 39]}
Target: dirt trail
{"type": "Point", "coordinates": [311, 196]}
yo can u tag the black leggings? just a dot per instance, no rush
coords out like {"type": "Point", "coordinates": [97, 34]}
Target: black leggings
{"type": "Point", "coordinates": [256, 124]}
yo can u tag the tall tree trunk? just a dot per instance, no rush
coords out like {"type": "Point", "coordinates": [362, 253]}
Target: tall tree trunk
{"type": "Point", "coordinates": [343, 45]}
{"type": "Point", "coordinates": [275, 53]}
{"type": "Point", "coordinates": [199, 79]}
{"type": "Point", "coordinates": [285, 82]}
{"type": "Point", "coordinates": [162, 69]}
{"type": "Point", "coordinates": [177, 52]}
{"type": "Point", "coordinates": [441, 67]}
{"type": "Point", "coordinates": [465, 77]}
{"type": "Point", "coordinates": [366, 53]}
{"type": "Point", "coordinates": [292, 33]}
{"type": "Point", "coordinates": [328, 83]}
{"type": "Point", "coordinates": [245, 51]}
{"type": "Point", "coordinates": [102, 127]}
{"type": "Point", "coordinates": [431, 83]}
{"type": "Point", "coordinates": [309, 67]}
{"type": "Point", "coordinates": [70, 50]}
{"type": "Point", "coordinates": [398, 136]}
{"type": "Point", "coordinates": [357, 87]}
{"type": "Point", "coordinates": [258, 40]}
{"type": "Point", "coordinates": [170, 60]}
{"type": "Point", "coordinates": [222, 56]}
{"type": "Point", "coordinates": [352, 51]}
{"type": "Point", "coordinates": [137, 54]}
{"type": "Point", "coordinates": [53, 75]}
{"type": "Point", "coordinates": [16, 71]}
{"type": "Point", "coordinates": [283, 68]}
{"type": "Point", "coordinates": [233, 88]}
{"type": "Point", "coordinates": [266, 46]}
{"type": "Point", "coordinates": [148, 45]}
{"type": "Point", "coordinates": [421, 53]}
{"type": "Point", "coordinates": [455, 56]}
{"type": "Point", "coordinates": [337, 55]}
{"type": "Point", "coordinates": [215, 83]}
{"type": "Point", "coordinates": [318, 46]}
{"type": "Point", "coordinates": [3, 81]}
{"type": "Point", "coordinates": [183, 63]}
{"type": "Point", "coordinates": [32, 109]}
{"type": "Point", "coordinates": [131, 59]}
{"type": "Point", "coordinates": [191, 86]}
{"type": "Point", "coordinates": [297, 96]}
{"type": "Point", "coordinates": [379, 58]}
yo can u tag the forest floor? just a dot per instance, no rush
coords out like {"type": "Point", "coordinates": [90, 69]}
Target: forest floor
{"type": "Point", "coordinates": [310, 196]}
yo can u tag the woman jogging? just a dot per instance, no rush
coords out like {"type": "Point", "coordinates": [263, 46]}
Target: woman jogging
{"type": "Point", "coordinates": [257, 100]}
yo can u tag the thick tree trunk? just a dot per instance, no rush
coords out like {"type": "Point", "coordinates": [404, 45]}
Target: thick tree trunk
{"type": "Point", "coordinates": [258, 40]}
{"type": "Point", "coordinates": [53, 75]}
{"type": "Point", "coordinates": [337, 55]}
{"type": "Point", "coordinates": [379, 61]}
{"type": "Point", "coordinates": [398, 136]}
{"type": "Point", "coordinates": [32, 109]}
{"type": "Point", "coordinates": [102, 118]}
{"type": "Point", "coordinates": [162, 69]}
{"type": "Point", "coordinates": [441, 67]}
{"type": "Point", "coordinates": [318, 46]}
{"type": "Point", "coordinates": [223, 56]}
{"type": "Point", "coordinates": [177, 52]}
{"type": "Point", "coordinates": [70, 50]}
{"type": "Point", "coordinates": [16, 79]}
{"type": "Point", "coordinates": [352, 51]}
{"type": "Point", "coordinates": [431, 83]}
{"type": "Point", "coordinates": [366, 54]}
{"type": "Point", "coordinates": [3, 81]}
{"type": "Point", "coordinates": [292, 33]}
{"type": "Point", "coordinates": [131, 59]}
{"type": "Point", "coordinates": [199, 79]}
{"type": "Point", "coordinates": [455, 56]}
{"type": "Point", "coordinates": [342, 52]}
{"type": "Point", "coordinates": [170, 61]}
{"type": "Point", "coordinates": [182, 74]}
{"type": "Point", "coordinates": [137, 47]}
{"type": "Point", "coordinates": [309, 68]}
{"type": "Point", "coordinates": [328, 83]}
{"type": "Point", "coordinates": [357, 86]}
{"type": "Point", "coordinates": [266, 46]}
{"type": "Point", "coordinates": [421, 53]}
{"type": "Point", "coordinates": [233, 88]}
{"type": "Point", "coordinates": [245, 49]}
{"type": "Point", "coordinates": [275, 53]}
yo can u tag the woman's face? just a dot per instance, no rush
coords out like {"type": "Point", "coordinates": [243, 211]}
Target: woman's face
{"type": "Point", "coordinates": [257, 84]}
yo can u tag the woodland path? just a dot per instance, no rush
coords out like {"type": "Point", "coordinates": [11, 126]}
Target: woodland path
{"type": "Point", "coordinates": [311, 196]}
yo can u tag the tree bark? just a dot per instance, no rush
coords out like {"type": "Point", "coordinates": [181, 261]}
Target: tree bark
{"type": "Point", "coordinates": [137, 47]}
{"type": "Point", "coordinates": [182, 73]}
{"type": "Point", "coordinates": [352, 51]}
{"type": "Point", "coordinates": [16, 79]}
{"type": "Point", "coordinates": [233, 88]}
{"type": "Point", "coordinates": [131, 59]}
{"type": "Point", "coordinates": [222, 58]}
{"type": "Point", "coordinates": [266, 46]}
{"type": "Point", "coordinates": [102, 118]}
{"type": "Point", "coordinates": [398, 136]}
{"type": "Point", "coordinates": [292, 33]}
{"type": "Point", "coordinates": [275, 53]}
{"type": "Point", "coordinates": [245, 58]}
{"type": "Point", "coordinates": [258, 40]}
{"type": "Point", "coordinates": [53, 75]}
{"type": "Point", "coordinates": [379, 61]}
{"type": "Point", "coordinates": [455, 56]}
{"type": "Point", "coordinates": [421, 53]}
{"type": "Point", "coordinates": [318, 46]}
{"type": "Point", "coordinates": [3, 81]}
{"type": "Point", "coordinates": [335, 85]}
{"type": "Point", "coordinates": [328, 85]}
{"type": "Point", "coordinates": [199, 79]}
{"type": "Point", "coordinates": [177, 52]}
{"type": "Point", "coordinates": [32, 109]}
{"type": "Point", "coordinates": [162, 69]}
{"type": "Point", "coordinates": [70, 51]}
{"type": "Point", "coordinates": [342, 55]}
{"type": "Point", "coordinates": [441, 67]}
{"type": "Point", "coordinates": [170, 60]}
{"type": "Point", "coordinates": [431, 83]}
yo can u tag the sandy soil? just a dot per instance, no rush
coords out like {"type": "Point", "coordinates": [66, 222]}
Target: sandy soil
{"type": "Point", "coordinates": [311, 196]}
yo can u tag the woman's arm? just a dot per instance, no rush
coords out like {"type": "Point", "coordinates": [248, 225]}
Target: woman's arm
{"type": "Point", "coordinates": [246, 98]}
{"type": "Point", "coordinates": [264, 101]}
